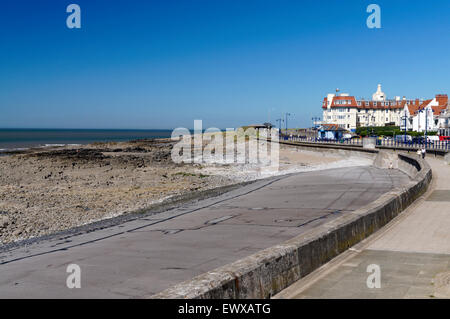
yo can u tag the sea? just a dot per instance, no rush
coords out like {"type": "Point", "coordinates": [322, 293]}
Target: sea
{"type": "Point", "coordinates": [19, 139]}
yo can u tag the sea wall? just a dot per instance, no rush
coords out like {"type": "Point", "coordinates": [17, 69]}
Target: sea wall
{"type": "Point", "coordinates": [267, 272]}
{"type": "Point", "coordinates": [331, 149]}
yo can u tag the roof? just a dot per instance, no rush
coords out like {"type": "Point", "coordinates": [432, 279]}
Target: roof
{"type": "Point", "coordinates": [331, 127]}
{"type": "Point", "coordinates": [442, 100]}
{"type": "Point", "coordinates": [351, 102]}
{"type": "Point", "coordinates": [256, 126]}
{"type": "Point", "coordinates": [413, 105]}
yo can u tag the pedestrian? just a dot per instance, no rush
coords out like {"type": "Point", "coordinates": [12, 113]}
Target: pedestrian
{"type": "Point", "coordinates": [423, 152]}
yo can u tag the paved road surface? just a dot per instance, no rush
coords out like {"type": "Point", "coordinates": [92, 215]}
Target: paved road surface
{"type": "Point", "coordinates": [145, 256]}
{"type": "Point", "coordinates": [413, 253]}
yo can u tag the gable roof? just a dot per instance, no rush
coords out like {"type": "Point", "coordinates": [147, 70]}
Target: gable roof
{"type": "Point", "coordinates": [442, 100]}
{"type": "Point", "coordinates": [331, 127]}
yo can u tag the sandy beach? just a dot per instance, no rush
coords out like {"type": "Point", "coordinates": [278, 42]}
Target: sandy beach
{"type": "Point", "coordinates": [49, 190]}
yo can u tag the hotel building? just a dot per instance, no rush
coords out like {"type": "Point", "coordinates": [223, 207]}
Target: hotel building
{"type": "Point", "coordinates": [349, 113]}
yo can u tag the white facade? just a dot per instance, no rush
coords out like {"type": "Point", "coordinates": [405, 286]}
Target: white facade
{"type": "Point", "coordinates": [425, 119]}
{"type": "Point", "coordinates": [349, 113]}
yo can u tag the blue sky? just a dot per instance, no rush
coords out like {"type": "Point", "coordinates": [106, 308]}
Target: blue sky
{"type": "Point", "coordinates": [162, 64]}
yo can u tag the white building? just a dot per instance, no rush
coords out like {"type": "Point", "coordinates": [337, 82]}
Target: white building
{"type": "Point", "coordinates": [444, 122]}
{"type": "Point", "coordinates": [429, 116]}
{"type": "Point", "coordinates": [348, 112]}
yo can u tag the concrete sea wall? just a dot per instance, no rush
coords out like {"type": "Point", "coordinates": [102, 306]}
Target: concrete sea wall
{"type": "Point", "coordinates": [267, 272]}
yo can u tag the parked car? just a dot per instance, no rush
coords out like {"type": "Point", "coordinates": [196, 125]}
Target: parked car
{"type": "Point", "coordinates": [347, 136]}
{"type": "Point", "coordinates": [433, 138]}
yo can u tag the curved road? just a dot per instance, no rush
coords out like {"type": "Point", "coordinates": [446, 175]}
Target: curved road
{"type": "Point", "coordinates": [142, 257]}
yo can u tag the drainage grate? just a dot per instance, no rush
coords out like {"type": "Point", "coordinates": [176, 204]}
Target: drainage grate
{"type": "Point", "coordinates": [439, 196]}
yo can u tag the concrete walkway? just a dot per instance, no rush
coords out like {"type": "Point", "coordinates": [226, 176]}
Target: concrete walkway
{"type": "Point", "coordinates": [412, 252]}
{"type": "Point", "coordinates": [142, 257]}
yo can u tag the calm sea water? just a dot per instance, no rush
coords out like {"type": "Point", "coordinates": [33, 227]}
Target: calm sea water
{"type": "Point", "coordinates": [25, 138]}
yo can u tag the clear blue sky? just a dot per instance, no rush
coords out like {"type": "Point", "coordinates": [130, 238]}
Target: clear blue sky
{"type": "Point", "coordinates": [162, 64]}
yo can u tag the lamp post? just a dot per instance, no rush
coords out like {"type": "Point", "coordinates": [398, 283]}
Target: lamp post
{"type": "Point", "coordinates": [286, 122]}
{"type": "Point", "coordinates": [279, 121]}
{"type": "Point", "coordinates": [404, 137]}
{"type": "Point", "coordinates": [425, 110]}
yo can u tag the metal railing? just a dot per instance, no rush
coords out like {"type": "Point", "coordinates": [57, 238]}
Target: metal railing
{"type": "Point", "coordinates": [353, 141]}
{"type": "Point", "coordinates": [431, 145]}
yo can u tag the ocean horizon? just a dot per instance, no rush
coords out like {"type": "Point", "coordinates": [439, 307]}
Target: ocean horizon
{"type": "Point", "coordinates": [20, 138]}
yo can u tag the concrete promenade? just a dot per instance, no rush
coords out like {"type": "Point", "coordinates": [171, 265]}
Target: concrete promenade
{"type": "Point", "coordinates": [142, 257]}
{"type": "Point", "coordinates": [412, 251]}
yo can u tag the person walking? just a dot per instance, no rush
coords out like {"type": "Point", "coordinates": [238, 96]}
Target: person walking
{"type": "Point", "coordinates": [423, 152]}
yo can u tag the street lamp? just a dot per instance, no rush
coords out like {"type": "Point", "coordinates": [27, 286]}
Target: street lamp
{"type": "Point", "coordinates": [404, 137]}
{"type": "Point", "coordinates": [279, 121]}
{"type": "Point", "coordinates": [426, 123]}
{"type": "Point", "coordinates": [286, 122]}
